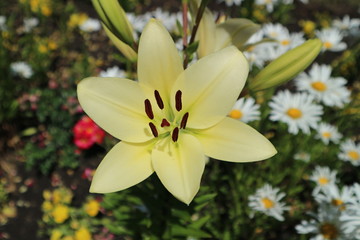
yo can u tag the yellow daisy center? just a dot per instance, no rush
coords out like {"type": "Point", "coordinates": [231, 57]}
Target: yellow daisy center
{"type": "Point", "coordinates": [235, 113]}
{"type": "Point", "coordinates": [319, 86]}
{"type": "Point", "coordinates": [326, 134]}
{"type": "Point", "coordinates": [329, 231]}
{"type": "Point", "coordinates": [328, 44]}
{"type": "Point", "coordinates": [294, 113]}
{"type": "Point", "coordinates": [323, 181]}
{"type": "Point", "coordinates": [353, 155]}
{"type": "Point", "coordinates": [267, 203]}
{"type": "Point", "coordinates": [285, 42]}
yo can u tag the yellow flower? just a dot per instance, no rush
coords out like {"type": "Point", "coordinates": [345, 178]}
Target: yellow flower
{"type": "Point", "coordinates": [47, 195]}
{"type": "Point", "coordinates": [55, 235]}
{"type": "Point", "coordinates": [56, 197]}
{"type": "Point", "coordinates": [92, 208]}
{"type": "Point", "coordinates": [42, 48]}
{"type": "Point", "coordinates": [47, 206]}
{"type": "Point", "coordinates": [308, 27]}
{"type": "Point", "coordinates": [52, 45]}
{"type": "Point", "coordinates": [172, 118]}
{"type": "Point", "coordinates": [82, 234]}
{"type": "Point", "coordinates": [60, 213]}
{"type": "Point", "coordinates": [77, 19]}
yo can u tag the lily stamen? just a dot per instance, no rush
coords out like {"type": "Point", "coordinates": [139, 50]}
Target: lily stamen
{"type": "Point", "coordinates": [184, 120]}
{"type": "Point", "coordinates": [159, 101]}
{"type": "Point", "coordinates": [148, 109]}
{"type": "Point", "coordinates": [178, 103]}
{"type": "Point", "coordinates": [153, 129]}
{"type": "Point", "coordinates": [175, 134]}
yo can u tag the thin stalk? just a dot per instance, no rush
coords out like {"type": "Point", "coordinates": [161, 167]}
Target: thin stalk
{"type": "Point", "coordinates": [199, 15]}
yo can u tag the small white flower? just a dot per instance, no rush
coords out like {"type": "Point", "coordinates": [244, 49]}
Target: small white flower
{"type": "Point", "coordinates": [257, 53]}
{"type": "Point", "coordinates": [351, 216]}
{"type": "Point", "coordinates": [2, 23]}
{"type": "Point", "coordinates": [22, 69]}
{"type": "Point", "coordinates": [323, 177]}
{"type": "Point", "coordinates": [169, 20]}
{"type": "Point", "coordinates": [302, 156]}
{"type": "Point", "coordinates": [319, 83]}
{"type": "Point", "coordinates": [332, 39]}
{"type": "Point", "coordinates": [229, 3]}
{"type": "Point", "coordinates": [327, 133]}
{"type": "Point", "coordinates": [332, 195]}
{"type": "Point", "coordinates": [113, 72]}
{"type": "Point", "coordinates": [296, 110]}
{"type": "Point", "coordinates": [325, 226]}
{"type": "Point", "coordinates": [350, 152]}
{"type": "Point", "coordinates": [274, 31]}
{"type": "Point", "coordinates": [138, 22]}
{"type": "Point", "coordinates": [90, 25]}
{"type": "Point", "coordinates": [30, 23]}
{"type": "Point", "coordinates": [269, 4]}
{"type": "Point", "coordinates": [267, 200]}
{"type": "Point", "coordinates": [245, 110]}
{"type": "Point", "coordinates": [347, 24]}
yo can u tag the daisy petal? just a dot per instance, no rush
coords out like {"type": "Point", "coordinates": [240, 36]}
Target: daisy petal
{"type": "Point", "coordinates": [211, 86]}
{"type": "Point", "coordinates": [125, 165]}
{"type": "Point", "coordinates": [159, 63]}
{"type": "Point", "coordinates": [180, 166]}
{"type": "Point", "coordinates": [234, 141]}
{"type": "Point", "coordinates": [117, 106]}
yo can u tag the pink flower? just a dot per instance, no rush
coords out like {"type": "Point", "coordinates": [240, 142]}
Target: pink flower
{"type": "Point", "coordinates": [87, 133]}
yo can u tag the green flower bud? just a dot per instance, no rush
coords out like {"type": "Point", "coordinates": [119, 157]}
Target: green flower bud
{"type": "Point", "coordinates": [114, 18]}
{"type": "Point", "coordinates": [286, 66]}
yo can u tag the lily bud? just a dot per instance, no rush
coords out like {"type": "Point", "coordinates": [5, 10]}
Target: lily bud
{"type": "Point", "coordinates": [286, 66]}
{"type": "Point", "coordinates": [114, 18]}
{"type": "Point", "coordinates": [124, 48]}
{"type": "Point", "coordinates": [214, 37]}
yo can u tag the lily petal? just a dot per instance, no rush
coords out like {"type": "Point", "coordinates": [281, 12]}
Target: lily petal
{"type": "Point", "coordinates": [125, 165]}
{"type": "Point", "coordinates": [211, 86]}
{"type": "Point", "coordinates": [234, 141]}
{"type": "Point", "coordinates": [206, 34]}
{"type": "Point", "coordinates": [117, 106]}
{"type": "Point", "coordinates": [180, 166]}
{"type": "Point", "coordinates": [159, 62]}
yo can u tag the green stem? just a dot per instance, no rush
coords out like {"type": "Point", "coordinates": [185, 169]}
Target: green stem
{"type": "Point", "coordinates": [199, 15]}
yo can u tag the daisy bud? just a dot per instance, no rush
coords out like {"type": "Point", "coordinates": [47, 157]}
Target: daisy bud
{"type": "Point", "coordinates": [287, 66]}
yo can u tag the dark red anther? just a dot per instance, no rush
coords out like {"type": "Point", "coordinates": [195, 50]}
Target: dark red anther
{"type": "Point", "coordinates": [159, 101]}
{"type": "Point", "coordinates": [184, 120]}
{"type": "Point", "coordinates": [165, 123]}
{"type": "Point", "coordinates": [175, 134]}
{"type": "Point", "coordinates": [153, 129]}
{"type": "Point", "coordinates": [178, 103]}
{"type": "Point", "coordinates": [148, 109]}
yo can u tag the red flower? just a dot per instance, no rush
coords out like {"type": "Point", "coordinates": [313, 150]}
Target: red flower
{"type": "Point", "coordinates": [86, 133]}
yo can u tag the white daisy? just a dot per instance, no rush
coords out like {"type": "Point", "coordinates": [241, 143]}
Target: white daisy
{"type": "Point", "coordinates": [319, 83]}
{"type": "Point", "coordinates": [347, 24]}
{"type": "Point", "coordinates": [90, 25]}
{"type": "Point", "coordinates": [245, 110]}
{"type": "Point", "coordinates": [332, 39]}
{"type": "Point", "coordinates": [350, 152]}
{"type": "Point", "coordinates": [257, 53]}
{"type": "Point", "coordinates": [229, 3]}
{"type": "Point", "coordinates": [22, 69]}
{"type": "Point", "coordinates": [351, 216]}
{"type": "Point", "coordinates": [274, 31]}
{"type": "Point", "coordinates": [327, 133]}
{"type": "Point", "coordinates": [302, 156]}
{"type": "Point", "coordinates": [267, 200]}
{"type": "Point", "coordinates": [269, 4]}
{"type": "Point", "coordinates": [2, 23]}
{"type": "Point", "coordinates": [331, 194]}
{"type": "Point", "coordinates": [30, 23]}
{"type": "Point", "coordinates": [113, 72]}
{"type": "Point", "coordinates": [323, 177]}
{"type": "Point", "coordinates": [325, 226]}
{"type": "Point", "coordinates": [296, 110]}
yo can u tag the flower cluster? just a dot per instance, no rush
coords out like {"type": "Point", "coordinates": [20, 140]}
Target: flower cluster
{"type": "Point", "coordinates": [87, 133]}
